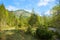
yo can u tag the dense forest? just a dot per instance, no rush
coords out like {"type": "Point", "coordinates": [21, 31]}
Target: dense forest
{"type": "Point", "coordinates": [24, 25]}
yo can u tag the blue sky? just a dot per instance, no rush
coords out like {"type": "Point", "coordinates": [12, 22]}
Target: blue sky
{"type": "Point", "coordinates": [40, 6]}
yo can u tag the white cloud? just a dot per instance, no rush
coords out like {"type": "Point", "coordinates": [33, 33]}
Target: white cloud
{"type": "Point", "coordinates": [27, 10]}
{"type": "Point", "coordinates": [39, 13]}
{"type": "Point", "coordinates": [44, 2]}
{"type": "Point", "coordinates": [11, 8]}
{"type": "Point", "coordinates": [47, 12]}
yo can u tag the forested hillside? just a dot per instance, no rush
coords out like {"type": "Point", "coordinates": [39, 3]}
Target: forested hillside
{"type": "Point", "coordinates": [24, 25]}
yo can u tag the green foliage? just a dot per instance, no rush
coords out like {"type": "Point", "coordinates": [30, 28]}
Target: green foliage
{"type": "Point", "coordinates": [34, 19]}
{"type": "Point", "coordinates": [3, 13]}
{"type": "Point", "coordinates": [29, 31]}
{"type": "Point", "coordinates": [43, 34]}
{"type": "Point", "coordinates": [56, 17]}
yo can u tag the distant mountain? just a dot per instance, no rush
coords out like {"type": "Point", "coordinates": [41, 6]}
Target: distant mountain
{"type": "Point", "coordinates": [22, 12]}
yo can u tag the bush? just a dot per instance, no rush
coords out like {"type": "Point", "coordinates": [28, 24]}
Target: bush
{"type": "Point", "coordinates": [58, 35]}
{"type": "Point", "coordinates": [29, 31]}
{"type": "Point", "coordinates": [43, 34]}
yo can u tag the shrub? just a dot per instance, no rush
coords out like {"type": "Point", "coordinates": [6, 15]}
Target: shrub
{"type": "Point", "coordinates": [29, 31]}
{"type": "Point", "coordinates": [43, 34]}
